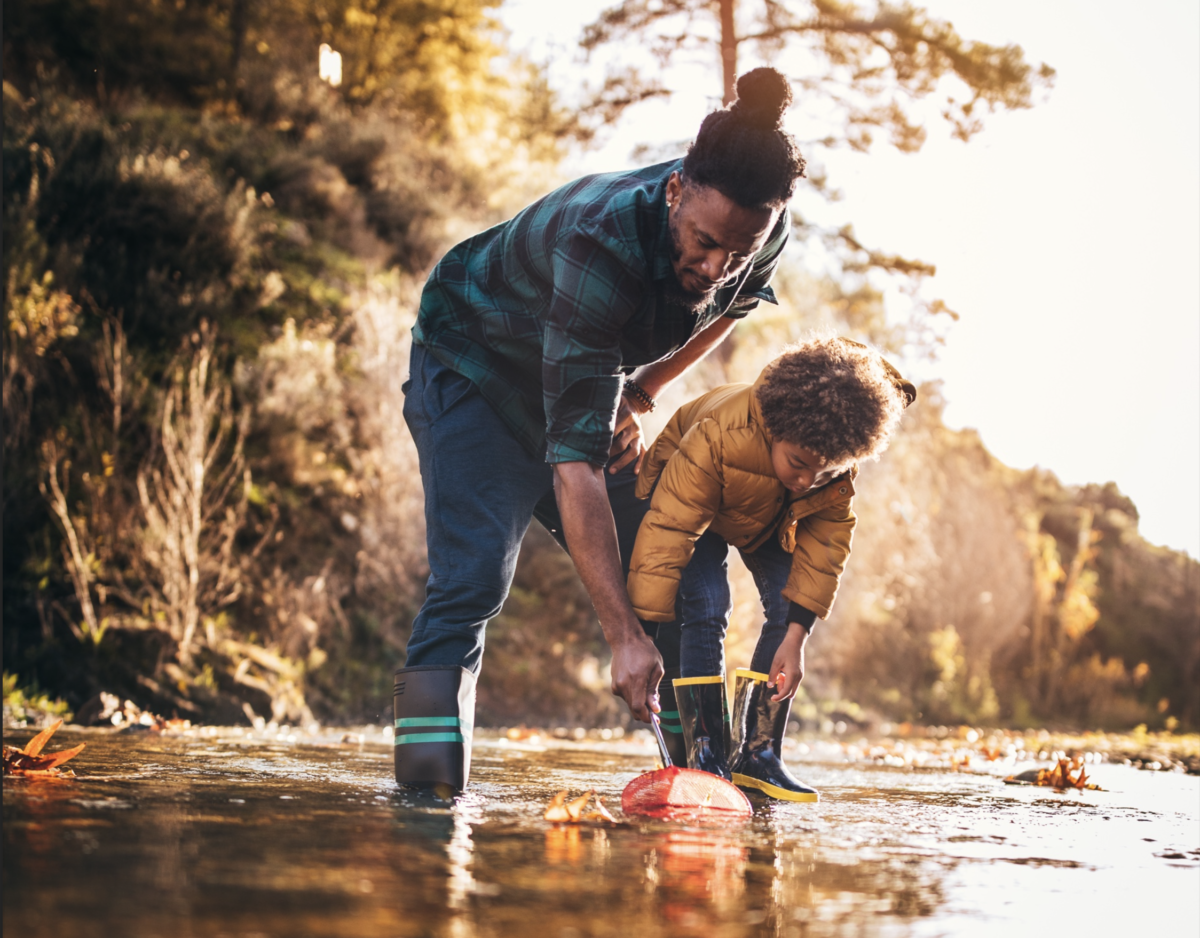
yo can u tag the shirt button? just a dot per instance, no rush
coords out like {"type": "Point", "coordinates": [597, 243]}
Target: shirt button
{"type": "Point", "coordinates": [842, 490]}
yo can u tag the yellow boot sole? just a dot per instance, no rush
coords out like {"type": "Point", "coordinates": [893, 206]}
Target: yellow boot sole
{"type": "Point", "coordinates": [745, 781]}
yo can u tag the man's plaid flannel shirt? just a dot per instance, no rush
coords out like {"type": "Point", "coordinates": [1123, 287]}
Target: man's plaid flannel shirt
{"type": "Point", "coordinates": [546, 312]}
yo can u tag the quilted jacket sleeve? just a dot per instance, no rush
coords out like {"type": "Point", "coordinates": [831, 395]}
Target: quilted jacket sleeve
{"type": "Point", "coordinates": [683, 505]}
{"type": "Point", "coordinates": [822, 548]}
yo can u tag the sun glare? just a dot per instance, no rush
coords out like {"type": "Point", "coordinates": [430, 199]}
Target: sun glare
{"type": "Point", "coordinates": [330, 65]}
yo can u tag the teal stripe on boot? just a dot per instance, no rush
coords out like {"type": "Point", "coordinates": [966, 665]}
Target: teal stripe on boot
{"type": "Point", "coordinates": [429, 738]}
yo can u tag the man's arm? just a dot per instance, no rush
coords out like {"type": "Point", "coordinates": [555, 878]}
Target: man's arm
{"type": "Point", "coordinates": [592, 540]}
{"type": "Point", "coordinates": [654, 379]}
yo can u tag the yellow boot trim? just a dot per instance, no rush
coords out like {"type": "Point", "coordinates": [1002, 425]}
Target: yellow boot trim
{"type": "Point", "coordinates": [745, 781]}
{"type": "Point", "coordinates": [711, 679]}
{"type": "Point", "coordinates": [753, 675]}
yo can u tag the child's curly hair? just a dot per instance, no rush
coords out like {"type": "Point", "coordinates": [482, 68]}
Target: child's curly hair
{"type": "Point", "coordinates": [834, 396]}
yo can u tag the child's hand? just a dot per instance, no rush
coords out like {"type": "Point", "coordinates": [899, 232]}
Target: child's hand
{"type": "Point", "coordinates": [787, 670]}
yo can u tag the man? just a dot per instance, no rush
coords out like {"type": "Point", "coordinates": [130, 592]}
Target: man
{"type": "Point", "coordinates": [538, 345]}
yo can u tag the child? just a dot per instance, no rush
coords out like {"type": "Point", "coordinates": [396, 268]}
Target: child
{"type": "Point", "coordinates": [769, 469]}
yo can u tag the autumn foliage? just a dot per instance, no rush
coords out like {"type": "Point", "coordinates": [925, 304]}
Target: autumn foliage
{"type": "Point", "coordinates": [212, 261]}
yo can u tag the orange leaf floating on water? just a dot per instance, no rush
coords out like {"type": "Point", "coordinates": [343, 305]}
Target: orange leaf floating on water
{"type": "Point", "coordinates": [556, 806]}
{"type": "Point", "coordinates": [560, 810]}
{"type": "Point", "coordinates": [1058, 778]}
{"type": "Point", "coordinates": [601, 813]}
{"type": "Point", "coordinates": [30, 761]}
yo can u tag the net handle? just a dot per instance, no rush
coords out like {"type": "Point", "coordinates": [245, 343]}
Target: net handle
{"type": "Point", "coordinates": [662, 743]}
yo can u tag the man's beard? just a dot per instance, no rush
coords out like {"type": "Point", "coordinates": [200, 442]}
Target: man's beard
{"type": "Point", "coordinates": [673, 292]}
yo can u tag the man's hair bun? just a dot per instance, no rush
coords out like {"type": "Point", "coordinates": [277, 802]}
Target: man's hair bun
{"type": "Point", "coordinates": [763, 96]}
{"type": "Point", "coordinates": [743, 151]}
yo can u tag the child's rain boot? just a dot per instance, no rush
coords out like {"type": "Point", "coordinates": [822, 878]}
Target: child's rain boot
{"type": "Point", "coordinates": [668, 720]}
{"type": "Point", "coordinates": [435, 715]}
{"type": "Point", "coordinates": [704, 716]}
{"type": "Point", "coordinates": [758, 727]}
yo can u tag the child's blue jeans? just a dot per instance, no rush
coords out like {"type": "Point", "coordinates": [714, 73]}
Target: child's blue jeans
{"type": "Point", "coordinates": [705, 603]}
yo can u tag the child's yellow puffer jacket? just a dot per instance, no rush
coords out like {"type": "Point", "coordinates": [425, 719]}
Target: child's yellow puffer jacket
{"type": "Point", "coordinates": [712, 463]}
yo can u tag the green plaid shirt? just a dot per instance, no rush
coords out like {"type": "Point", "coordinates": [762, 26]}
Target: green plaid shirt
{"type": "Point", "coordinates": [548, 311]}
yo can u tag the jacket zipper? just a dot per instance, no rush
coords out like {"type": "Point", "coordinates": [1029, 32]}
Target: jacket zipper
{"type": "Point", "coordinates": [762, 535]}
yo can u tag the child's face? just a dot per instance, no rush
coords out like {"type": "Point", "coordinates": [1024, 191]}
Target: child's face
{"type": "Point", "coordinates": [800, 469]}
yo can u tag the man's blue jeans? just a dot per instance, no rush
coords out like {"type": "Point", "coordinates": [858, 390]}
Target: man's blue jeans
{"type": "Point", "coordinates": [704, 604]}
{"type": "Point", "coordinates": [482, 488]}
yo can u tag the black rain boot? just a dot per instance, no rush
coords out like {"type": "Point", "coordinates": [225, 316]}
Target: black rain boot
{"type": "Point", "coordinates": [435, 715]}
{"type": "Point", "coordinates": [758, 727]}
{"type": "Point", "coordinates": [668, 720]}
{"type": "Point", "coordinates": [704, 716]}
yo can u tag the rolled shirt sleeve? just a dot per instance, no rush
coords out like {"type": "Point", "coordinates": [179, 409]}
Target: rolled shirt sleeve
{"type": "Point", "coordinates": [597, 287]}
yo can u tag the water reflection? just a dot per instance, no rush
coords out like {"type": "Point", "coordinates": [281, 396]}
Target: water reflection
{"type": "Point", "coordinates": [694, 880]}
{"type": "Point", "coordinates": [241, 837]}
{"type": "Point", "coordinates": [695, 875]}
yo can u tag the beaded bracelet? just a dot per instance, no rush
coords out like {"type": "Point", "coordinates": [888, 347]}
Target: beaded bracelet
{"type": "Point", "coordinates": [641, 395]}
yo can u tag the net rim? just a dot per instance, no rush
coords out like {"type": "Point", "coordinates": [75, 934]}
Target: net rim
{"type": "Point", "coordinates": [664, 793]}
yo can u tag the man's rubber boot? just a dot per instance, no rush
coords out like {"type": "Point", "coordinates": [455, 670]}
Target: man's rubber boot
{"type": "Point", "coordinates": [435, 715]}
{"type": "Point", "coordinates": [704, 716]}
{"type": "Point", "coordinates": [758, 727]}
{"type": "Point", "coordinates": [668, 720]}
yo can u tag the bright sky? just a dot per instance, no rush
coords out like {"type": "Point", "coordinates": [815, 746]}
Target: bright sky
{"type": "Point", "coordinates": [1067, 236]}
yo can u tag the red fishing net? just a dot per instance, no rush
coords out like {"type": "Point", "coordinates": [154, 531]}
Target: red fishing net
{"type": "Point", "coordinates": [684, 794]}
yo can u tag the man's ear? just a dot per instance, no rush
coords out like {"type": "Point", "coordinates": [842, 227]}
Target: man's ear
{"type": "Point", "coordinates": [674, 190]}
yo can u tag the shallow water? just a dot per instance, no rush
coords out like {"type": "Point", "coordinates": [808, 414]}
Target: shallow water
{"type": "Point", "coordinates": [242, 835]}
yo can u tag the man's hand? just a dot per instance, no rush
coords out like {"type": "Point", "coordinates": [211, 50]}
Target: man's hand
{"type": "Point", "coordinates": [628, 439]}
{"type": "Point", "coordinates": [636, 670]}
{"type": "Point", "coordinates": [787, 669]}
{"type": "Point", "coordinates": [591, 536]}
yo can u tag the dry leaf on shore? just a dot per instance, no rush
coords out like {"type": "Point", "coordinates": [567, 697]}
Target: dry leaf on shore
{"type": "Point", "coordinates": [1060, 777]}
{"type": "Point", "coordinates": [30, 761]}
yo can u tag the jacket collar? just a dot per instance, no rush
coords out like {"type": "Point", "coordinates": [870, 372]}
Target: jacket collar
{"type": "Point", "coordinates": [756, 415]}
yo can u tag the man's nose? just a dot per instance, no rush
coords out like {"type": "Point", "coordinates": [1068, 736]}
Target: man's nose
{"type": "Point", "coordinates": [716, 264]}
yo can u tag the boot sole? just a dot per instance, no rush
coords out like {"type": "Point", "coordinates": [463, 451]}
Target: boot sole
{"type": "Point", "coordinates": [774, 791]}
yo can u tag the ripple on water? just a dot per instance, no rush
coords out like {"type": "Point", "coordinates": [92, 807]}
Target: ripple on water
{"type": "Point", "coordinates": [304, 839]}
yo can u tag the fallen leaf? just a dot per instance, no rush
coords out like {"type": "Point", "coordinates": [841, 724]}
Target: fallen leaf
{"type": "Point", "coordinates": [601, 812]}
{"type": "Point", "coordinates": [575, 808]}
{"type": "Point", "coordinates": [30, 761]}
{"type": "Point", "coordinates": [1059, 778]}
{"type": "Point", "coordinates": [572, 812]}
{"type": "Point", "coordinates": [555, 810]}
